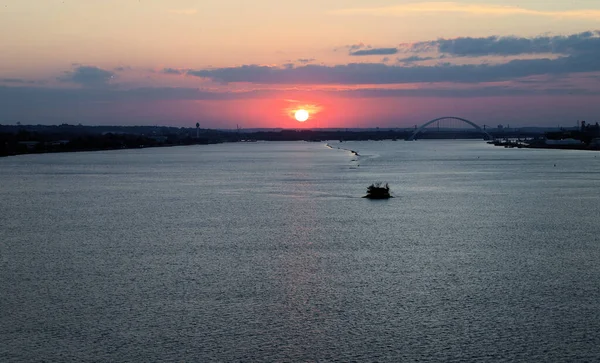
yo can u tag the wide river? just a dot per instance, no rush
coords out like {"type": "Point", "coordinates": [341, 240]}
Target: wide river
{"type": "Point", "coordinates": [251, 252]}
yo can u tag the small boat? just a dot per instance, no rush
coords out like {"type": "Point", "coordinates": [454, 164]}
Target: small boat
{"type": "Point", "coordinates": [378, 191]}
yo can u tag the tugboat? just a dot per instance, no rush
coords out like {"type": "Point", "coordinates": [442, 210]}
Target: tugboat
{"type": "Point", "coordinates": [378, 191]}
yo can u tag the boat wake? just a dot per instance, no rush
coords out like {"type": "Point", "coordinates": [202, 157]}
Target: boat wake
{"type": "Point", "coordinates": [352, 152]}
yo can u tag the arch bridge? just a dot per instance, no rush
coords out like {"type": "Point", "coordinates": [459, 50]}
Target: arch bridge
{"type": "Point", "coordinates": [486, 136]}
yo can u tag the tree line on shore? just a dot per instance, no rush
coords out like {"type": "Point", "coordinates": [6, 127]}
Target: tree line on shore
{"type": "Point", "coordinates": [19, 139]}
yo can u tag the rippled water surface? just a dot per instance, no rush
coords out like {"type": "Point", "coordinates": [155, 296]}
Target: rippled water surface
{"type": "Point", "coordinates": [266, 252]}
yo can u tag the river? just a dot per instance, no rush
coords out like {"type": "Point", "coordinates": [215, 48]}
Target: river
{"type": "Point", "coordinates": [266, 252]}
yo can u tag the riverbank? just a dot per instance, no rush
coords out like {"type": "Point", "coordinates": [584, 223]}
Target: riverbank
{"type": "Point", "coordinates": [542, 144]}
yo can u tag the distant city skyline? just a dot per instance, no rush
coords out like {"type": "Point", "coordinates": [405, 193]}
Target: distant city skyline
{"type": "Point", "coordinates": [350, 63]}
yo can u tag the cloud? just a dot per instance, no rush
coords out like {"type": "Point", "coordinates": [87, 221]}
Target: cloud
{"type": "Point", "coordinates": [88, 76]}
{"type": "Point", "coordinates": [483, 91]}
{"type": "Point", "coordinates": [585, 42]}
{"type": "Point", "coordinates": [122, 68]}
{"type": "Point", "coordinates": [94, 105]}
{"type": "Point", "coordinates": [354, 47]}
{"type": "Point", "coordinates": [22, 81]}
{"type": "Point", "coordinates": [305, 60]}
{"type": "Point", "coordinates": [414, 58]}
{"type": "Point", "coordinates": [173, 71]}
{"type": "Point", "coordinates": [379, 73]}
{"type": "Point", "coordinates": [16, 81]}
{"type": "Point", "coordinates": [374, 51]}
{"type": "Point", "coordinates": [30, 96]}
{"type": "Point", "coordinates": [467, 9]}
{"type": "Point", "coordinates": [183, 11]}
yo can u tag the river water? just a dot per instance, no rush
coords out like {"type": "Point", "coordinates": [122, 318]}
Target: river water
{"type": "Point", "coordinates": [267, 252]}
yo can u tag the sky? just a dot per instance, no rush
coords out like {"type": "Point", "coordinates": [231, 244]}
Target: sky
{"type": "Point", "coordinates": [252, 64]}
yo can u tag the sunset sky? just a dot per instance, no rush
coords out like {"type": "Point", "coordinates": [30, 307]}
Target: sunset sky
{"type": "Point", "coordinates": [350, 63]}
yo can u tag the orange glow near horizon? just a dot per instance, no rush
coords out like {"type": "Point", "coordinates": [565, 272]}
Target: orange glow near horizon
{"type": "Point", "coordinates": [332, 112]}
{"type": "Point", "coordinates": [300, 111]}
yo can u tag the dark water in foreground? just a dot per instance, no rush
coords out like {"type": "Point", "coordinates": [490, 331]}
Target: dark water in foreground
{"type": "Point", "coordinates": [266, 252]}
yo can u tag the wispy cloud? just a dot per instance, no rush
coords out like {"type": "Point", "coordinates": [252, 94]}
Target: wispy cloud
{"type": "Point", "coordinates": [183, 11]}
{"type": "Point", "coordinates": [17, 81]}
{"type": "Point", "coordinates": [358, 46]}
{"type": "Point", "coordinates": [306, 60]}
{"type": "Point", "coordinates": [374, 51]}
{"type": "Point", "coordinates": [467, 9]}
{"type": "Point", "coordinates": [122, 68]}
{"type": "Point", "coordinates": [175, 71]}
{"type": "Point", "coordinates": [414, 58]}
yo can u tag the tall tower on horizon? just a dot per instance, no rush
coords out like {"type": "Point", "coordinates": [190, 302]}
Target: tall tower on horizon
{"type": "Point", "coordinates": [197, 130]}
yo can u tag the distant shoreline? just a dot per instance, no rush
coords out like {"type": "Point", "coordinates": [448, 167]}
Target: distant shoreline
{"type": "Point", "coordinates": [24, 140]}
{"type": "Point", "coordinates": [508, 144]}
{"type": "Point", "coordinates": [355, 153]}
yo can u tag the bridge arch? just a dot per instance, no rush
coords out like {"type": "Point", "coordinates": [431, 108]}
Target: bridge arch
{"type": "Point", "coordinates": [486, 136]}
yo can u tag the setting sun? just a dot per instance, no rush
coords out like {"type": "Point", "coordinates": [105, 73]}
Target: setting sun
{"type": "Point", "coordinates": [301, 115]}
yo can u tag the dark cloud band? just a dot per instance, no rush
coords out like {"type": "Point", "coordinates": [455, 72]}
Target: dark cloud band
{"type": "Point", "coordinates": [508, 46]}
{"type": "Point", "coordinates": [88, 76]}
{"type": "Point", "coordinates": [378, 73]}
